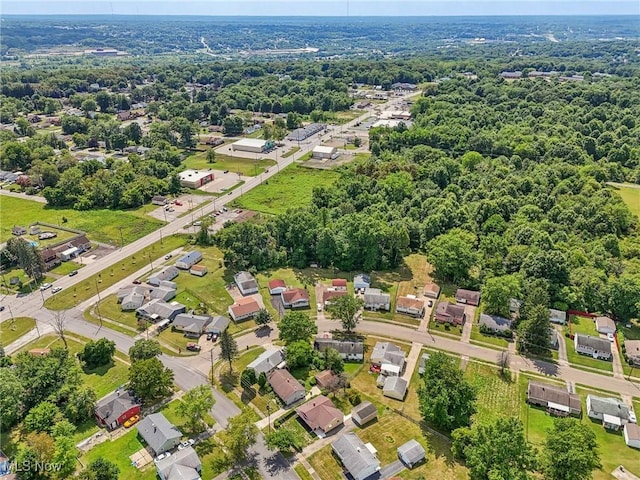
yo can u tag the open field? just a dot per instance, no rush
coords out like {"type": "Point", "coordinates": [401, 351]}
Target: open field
{"type": "Point", "coordinates": [11, 330]}
{"type": "Point", "coordinates": [630, 196]}
{"type": "Point", "coordinates": [291, 188]}
{"type": "Point", "coordinates": [245, 166]}
{"type": "Point", "coordinates": [497, 395]}
{"type": "Point", "coordinates": [110, 275]}
{"type": "Point", "coordinates": [100, 225]}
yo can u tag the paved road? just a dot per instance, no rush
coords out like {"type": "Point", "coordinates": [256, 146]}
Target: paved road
{"type": "Point", "coordinates": [34, 198]}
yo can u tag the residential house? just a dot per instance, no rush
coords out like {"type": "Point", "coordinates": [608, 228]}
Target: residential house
{"type": "Point", "coordinates": [364, 413]}
{"type": "Point", "coordinates": [159, 433]}
{"type": "Point", "coordinates": [243, 308]}
{"type": "Point", "coordinates": [395, 387]}
{"type": "Point", "coordinates": [191, 325]}
{"type": "Point", "coordinates": [432, 290]}
{"type": "Point", "coordinates": [50, 258]}
{"type": "Point", "coordinates": [69, 253]}
{"type": "Point", "coordinates": [388, 358]}
{"type": "Point", "coordinates": [556, 400]}
{"type": "Point", "coordinates": [18, 231]}
{"type": "Point", "coordinates": [557, 316]}
{"type": "Point", "coordinates": [554, 341]}
{"type": "Point", "coordinates": [190, 259]}
{"type": "Point", "coordinates": [411, 306]}
{"type": "Point", "coordinates": [411, 453]}
{"type": "Point", "coordinates": [495, 323]}
{"type": "Point", "coordinates": [613, 413]}
{"type": "Point", "coordinates": [277, 286]}
{"type": "Point", "coordinates": [132, 301]}
{"type": "Point", "coordinates": [157, 309]}
{"type": "Point", "coordinates": [286, 386]}
{"type": "Point", "coordinates": [81, 242]}
{"type": "Point", "coordinates": [114, 409]}
{"type": "Point", "coordinates": [217, 325]}
{"type": "Point", "coordinates": [325, 378]}
{"type": "Point", "coordinates": [592, 346]}
{"type": "Point", "coordinates": [449, 313]}
{"type": "Point", "coordinates": [163, 293]}
{"type": "Point", "coordinates": [267, 361]}
{"type": "Point", "coordinates": [339, 284]}
{"type": "Point", "coordinates": [168, 284]}
{"type": "Point", "coordinates": [295, 298]}
{"type": "Point", "coordinates": [375, 299]}
{"type": "Point", "coordinates": [357, 458]}
{"type": "Point", "coordinates": [422, 364]}
{"type": "Point", "coordinates": [632, 435]}
{"type": "Point", "coordinates": [605, 325]}
{"type": "Point", "coordinates": [320, 415]}
{"type": "Point", "coordinates": [167, 273]}
{"type": "Point", "coordinates": [198, 270]}
{"type": "Point", "coordinates": [632, 350]}
{"type": "Point", "coordinates": [124, 292]}
{"type": "Point", "coordinates": [468, 297]}
{"type": "Point", "coordinates": [246, 283]}
{"type": "Point", "coordinates": [349, 350]}
{"type": "Point", "coordinates": [159, 200]}
{"type": "Point", "coordinates": [329, 294]}
{"type": "Point", "coordinates": [361, 282]}
{"type": "Point", "coordinates": [181, 465]}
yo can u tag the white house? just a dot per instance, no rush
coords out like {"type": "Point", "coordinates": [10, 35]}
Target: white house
{"type": "Point", "coordinates": [244, 308]}
{"type": "Point", "coordinates": [632, 435]}
{"type": "Point", "coordinates": [246, 283]}
{"type": "Point", "coordinates": [592, 346]}
{"type": "Point", "coordinates": [348, 350]}
{"type": "Point", "coordinates": [277, 286]}
{"type": "Point", "coordinates": [375, 299]}
{"type": "Point", "coordinates": [267, 361]}
{"type": "Point", "coordinates": [295, 298]}
{"type": "Point", "coordinates": [557, 316]}
{"type": "Point", "coordinates": [605, 325]}
{"type": "Point", "coordinates": [190, 259]}
{"type": "Point", "coordinates": [357, 458]}
{"type": "Point", "coordinates": [613, 413]}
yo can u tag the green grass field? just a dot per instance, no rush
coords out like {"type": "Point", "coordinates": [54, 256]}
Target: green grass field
{"type": "Point", "coordinates": [11, 330]}
{"type": "Point", "coordinates": [630, 196]}
{"type": "Point", "coordinates": [100, 225]}
{"type": "Point", "coordinates": [583, 325]}
{"type": "Point", "coordinates": [291, 188]}
{"type": "Point", "coordinates": [110, 275]}
{"type": "Point", "coordinates": [497, 395]}
{"type": "Point", "coordinates": [65, 268]}
{"type": "Point", "coordinates": [118, 452]}
{"type": "Point", "coordinates": [245, 166]}
{"type": "Point", "coordinates": [491, 341]}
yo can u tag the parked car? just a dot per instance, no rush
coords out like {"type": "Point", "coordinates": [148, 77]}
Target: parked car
{"type": "Point", "coordinates": [45, 286]}
{"type": "Point", "coordinates": [168, 256]}
{"type": "Point", "coordinates": [319, 306]}
{"type": "Point", "coordinates": [430, 303]}
{"type": "Point", "coordinates": [1, 308]}
{"type": "Point", "coordinates": [225, 209]}
{"type": "Point", "coordinates": [178, 203]}
{"type": "Point", "coordinates": [56, 289]}
{"type": "Point", "coordinates": [209, 335]}
{"type": "Point", "coordinates": [197, 224]}
{"type": "Point", "coordinates": [131, 421]}
{"type": "Point", "coordinates": [72, 273]}
{"type": "Point", "coordinates": [611, 337]}
{"type": "Point", "coordinates": [162, 456]}
{"type": "Point", "coordinates": [193, 347]}
{"type": "Point", "coordinates": [137, 282]}
{"type": "Point", "coordinates": [186, 443]}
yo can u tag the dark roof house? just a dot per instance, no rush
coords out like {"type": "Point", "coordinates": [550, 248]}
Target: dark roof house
{"type": "Point", "coordinates": [112, 410]}
{"type": "Point", "coordinates": [556, 400]}
{"type": "Point", "coordinates": [286, 386]}
{"type": "Point", "coordinates": [468, 297]}
{"type": "Point", "coordinates": [449, 313]}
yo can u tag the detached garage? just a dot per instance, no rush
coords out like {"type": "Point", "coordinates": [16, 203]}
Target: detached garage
{"type": "Point", "coordinates": [322, 151]}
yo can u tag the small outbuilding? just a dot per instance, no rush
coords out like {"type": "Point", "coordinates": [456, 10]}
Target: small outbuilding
{"type": "Point", "coordinates": [277, 286]}
{"type": "Point", "coordinates": [468, 297]}
{"type": "Point", "coordinates": [395, 387]}
{"type": "Point", "coordinates": [246, 283]}
{"type": "Point", "coordinates": [364, 413]}
{"type": "Point", "coordinates": [632, 435]}
{"type": "Point", "coordinates": [198, 270]}
{"type": "Point", "coordinates": [411, 453]}
{"type": "Point", "coordinates": [361, 282]}
{"type": "Point", "coordinates": [605, 325]}
{"type": "Point", "coordinates": [432, 290]}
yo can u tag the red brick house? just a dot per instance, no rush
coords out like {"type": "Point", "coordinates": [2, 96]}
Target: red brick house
{"type": "Point", "coordinates": [114, 409]}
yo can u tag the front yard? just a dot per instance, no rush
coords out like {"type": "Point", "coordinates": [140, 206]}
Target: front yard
{"type": "Point", "coordinates": [12, 330]}
{"type": "Point", "coordinates": [584, 360]}
{"type": "Point", "coordinates": [491, 341]}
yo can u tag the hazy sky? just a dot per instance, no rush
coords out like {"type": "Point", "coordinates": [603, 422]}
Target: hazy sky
{"type": "Point", "coordinates": [323, 7]}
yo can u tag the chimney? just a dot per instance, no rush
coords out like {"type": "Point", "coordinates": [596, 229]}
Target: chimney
{"type": "Point", "coordinates": [155, 428]}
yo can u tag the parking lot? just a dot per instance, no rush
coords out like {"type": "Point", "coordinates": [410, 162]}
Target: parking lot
{"type": "Point", "coordinates": [182, 204]}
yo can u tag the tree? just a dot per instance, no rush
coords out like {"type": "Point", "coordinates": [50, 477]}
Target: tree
{"type": "Point", "coordinates": [533, 332]}
{"type": "Point", "coordinates": [97, 353]}
{"type": "Point", "coordinates": [59, 323]}
{"type": "Point", "coordinates": [100, 469]}
{"type": "Point", "coordinates": [333, 360]}
{"type": "Point", "coordinates": [232, 125]}
{"type": "Point", "coordinates": [89, 105]}
{"type": "Point", "coordinates": [81, 405]}
{"type": "Point", "coordinates": [42, 417]}
{"type": "Point", "coordinates": [248, 377]}
{"type": "Point", "coordinates": [262, 380]}
{"type": "Point", "coordinates": [144, 349]}
{"type": "Point", "coordinates": [150, 380]}
{"type": "Point", "coordinates": [65, 457]}
{"type": "Point", "coordinates": [263, 318]}
{"type": "Point", "coordinates": [447, 399]}
{"type": "Point", "coordinates": [570, 451]}
{"type": "Point", "coordinates": [497, 292]}
{"type": "Point", "coordinates": [194, 405]}
{"type": "Point", "coordinates": [228, 348]}
{"type": "Point", "coordinates": [452, 254]}
{"type": "Point", "coordinates": [497, 451]}
{"type": "Point", "coordinates": [346, 310]}
{"type": "Point", "coordinates": [240, 435]}
{"type": "Point", "coordinates": [10, 387]}
{"type": "Point", "coordinates": [624, 297]}
{"type": "Point", "coordinates": [29, 460]}
{"type": "Point", "coordinates": [296, 326]}
{"type": "Point", "coordinates": [283, 439]}
{"type": "Point", "coordinates": [299, 354]}
{"type": "Point", "coordinates": [211, 156]}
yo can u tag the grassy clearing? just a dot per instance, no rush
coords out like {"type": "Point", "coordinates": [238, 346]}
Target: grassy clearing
{"type": "Point", "coordinates": [290, 152]}
{"type": "Point", "coordinates": [326, 464]}
{"type": "Point", "coordinates": [170, 411]}
{"type": "Point", "coordinates": [66, 267]}
{"type": "Point", "coordinates": [497, 395]}
{"type": "Point", "coordinates": [291, 188]}
{"type": "Point", "coordinates": [491, 341]}
{"type": "Point", "coordinates": [11, 330]}
{"type": "Point", "coordinates": [583, 325]}
{"type": "Point", "coordinates": [245, 166]}
{"type": "Point", "coordinates": [444, 329]}
{"type": "Point", "coordinates": [100, 225]}
{"type": "Point", "coordinates": [302, 472]}
{"type": "Point", "coordinates": [111, 275]}
{"type": "Point", "coordinates": [630, 196]}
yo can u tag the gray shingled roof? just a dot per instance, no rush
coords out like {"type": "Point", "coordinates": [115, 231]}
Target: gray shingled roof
{"type": "Point", "coordinates": [267, 361]}
{"type": "Point", "coordinates": [495, 323]}
{"type": "Point", "coordinates": [608, 406]}
{"type": "Point", "coordinates": [192, 323]}
{"type": "Point", "coordinates": [246, 280]}
{"type": "Point", "coordinates": [218, 325]}
{"type": "Point", "coordinates": [395, 384]}
{"type": "Point", "coordinates": [353, 453]}
{"type": "Point", "coordinates": [411, 452]}
{"type": "Point", "coordinates": [156, 430]}
{"type": "Point", "coordinates": [181, 465]}
{"type": "Point", "coordinates": [364, 409]}
{"type": "Point", "coordinates": [385, 352]}
{"type": "Point", "coordinates": [596, 343]}
{"type": "Point", "coordinates": [115, 404]}
{"type": "Point", "coordinates": [345, 347]}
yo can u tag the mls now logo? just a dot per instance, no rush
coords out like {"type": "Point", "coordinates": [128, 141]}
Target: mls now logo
{"type": "Point", "coordinates": [35, 466]}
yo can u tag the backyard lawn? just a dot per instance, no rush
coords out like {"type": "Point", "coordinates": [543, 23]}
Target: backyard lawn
{"type": "Point", "coordinates": [291, 188]}
{"type": "Point", "coordinates": [100, 225]}
{"type": "Point", "coordinates": [326, 464]}
{"type": "Point", "coordinates": [87, 288]}
{"type": "Point", "coordinates": [583, 325]}
{"type": "Point", "coordinates": [11, 330]}
{"type": "Point", "coordinates": [245, 166]}
{"type": "Point", "coordinates": [118, 451]}
{"type": "Point", "coordinates": [497, 395]}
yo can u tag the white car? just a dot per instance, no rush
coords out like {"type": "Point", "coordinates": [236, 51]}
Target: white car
{"type": "Point", "coordinates": [197, 224]}
{"type": "Point", "coordinates": [186, 443]}
{"type": "Point", "coordinates": [611, 337]}
{"type": "Point", "coordinates": [632, 417]}
{"type": "Point", "coordinates": [56, 289]}
{"type": "Point", "coordinates": [45, 286]}
{"type": "Point", "coordinates": [319, 306]}
{"type": "Point", "coordinates": [162, 456]}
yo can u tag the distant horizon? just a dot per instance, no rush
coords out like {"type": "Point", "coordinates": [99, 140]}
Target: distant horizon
{"type": "Point", "coordinates": [323, 8]}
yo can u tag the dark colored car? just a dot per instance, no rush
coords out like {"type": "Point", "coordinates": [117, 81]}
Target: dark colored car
{"type": "Point", "coordinates": [74, 272]}
{"type": "Point", "coordinates": [137, 282]}
{"type": "Point", "coordinates": [193, 347]}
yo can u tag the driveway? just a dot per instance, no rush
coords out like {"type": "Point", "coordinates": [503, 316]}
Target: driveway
{"type": "Point", "coordinates": [470, 312]}
{"type": "Point", "coordinates": [391, 470]}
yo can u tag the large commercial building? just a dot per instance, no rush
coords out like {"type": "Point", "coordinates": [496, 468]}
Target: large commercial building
{"type": "Point", "coordinates": [254, 145]}
{"type": "Point", "coordinates": [322, 151]}
{"type": "Point", "coordinates": [195, 178]}
{"type": "Point", "coordinates": [300, 134]}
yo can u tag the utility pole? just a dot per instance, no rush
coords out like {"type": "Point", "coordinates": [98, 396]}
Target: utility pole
{"type": "Point", "coordinates": [269, 416]}
{"type": "Point", "coordinates": [211, 351]}
{"type": "Point", "coordinates": [98, 304]}
{"type": "Point", "coordinates": [121, 237]}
